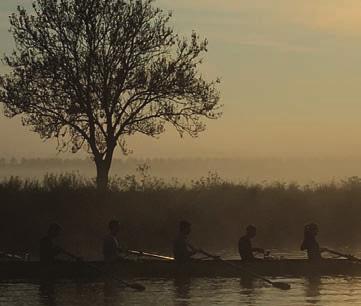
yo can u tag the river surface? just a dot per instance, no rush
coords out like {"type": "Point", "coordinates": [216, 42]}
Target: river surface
{"type": "Point", "coordinates": [197, 291]}
{"type": "Point", "coordinates": [217, 291]}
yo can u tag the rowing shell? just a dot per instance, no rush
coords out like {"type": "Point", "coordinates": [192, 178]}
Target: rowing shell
{"type": "Point", "coordinates": [161, 268]}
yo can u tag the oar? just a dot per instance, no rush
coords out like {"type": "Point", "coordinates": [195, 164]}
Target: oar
{"type": "Point", "coordinates": [279, 285]}
{"type": "Point", "coordinates": [141, 253]}
{"type": "Point", "coordinates": [11, 256]}
{"type": "Point", "coordinates": [349, 257]}
{"type": "Point", "coordinates": [134, 286]}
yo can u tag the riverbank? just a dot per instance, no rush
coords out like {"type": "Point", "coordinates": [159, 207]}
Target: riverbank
{"type": "Point", "coordinates": [150, 208]}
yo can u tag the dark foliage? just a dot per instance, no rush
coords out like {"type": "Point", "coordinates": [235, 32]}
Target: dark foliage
{"type": "Point", "coordinates": [149, 210]}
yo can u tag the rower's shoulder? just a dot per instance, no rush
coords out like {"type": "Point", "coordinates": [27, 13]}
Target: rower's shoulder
{"type": "Point", "coordinates": [108, 239]}
{"type": "Point", "coordinates": [243, 239]}
{"type": "Point", "coordinates": [45, 240]}
{"type": "Point", "coordinates": [179, 240]}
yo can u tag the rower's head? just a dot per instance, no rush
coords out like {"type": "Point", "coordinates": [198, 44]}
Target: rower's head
{"type": "Point", "coordinates": [251, 231]}
{"type": "Point", "coordinates": [185, 227]}
{"type": "Point", "coordinates": [311, 229]}
{"type": "Point", "coordinates": [114, 227]}
{"type": "Point", "coordinates": [54, 230]}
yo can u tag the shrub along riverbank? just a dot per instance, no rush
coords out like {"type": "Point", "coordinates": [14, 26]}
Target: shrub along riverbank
{"type": "Point", "coordinates": [149, 210]}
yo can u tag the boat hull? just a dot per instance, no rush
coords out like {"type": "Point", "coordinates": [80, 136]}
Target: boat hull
{"type": "Point", "coordinates": [164, 269]}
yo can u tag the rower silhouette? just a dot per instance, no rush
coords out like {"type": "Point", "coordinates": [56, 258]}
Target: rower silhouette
{"type": "Point", "coordinates": [112, 250]}
{"type": "Point", "coordinates": [245, 245]}
{"type": "Point", "coordinates": [48, 250]}
{"type": "Point", "coordinates": [182, 250]}
{"type": "Point", "coordinates": [310, 243]}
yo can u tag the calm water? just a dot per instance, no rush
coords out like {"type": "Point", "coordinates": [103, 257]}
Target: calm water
{"type": "Point", "coordinates": [219, 291]}
{"type": "Point", "coordinates": [198, 291]}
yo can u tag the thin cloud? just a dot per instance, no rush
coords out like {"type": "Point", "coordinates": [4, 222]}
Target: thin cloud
{"type": "Point", "coordinates": [332, 16]}
{"type": "Point", "coordinates": [280, 45]}
{"type": "Point", "coordinates": [329, 16]}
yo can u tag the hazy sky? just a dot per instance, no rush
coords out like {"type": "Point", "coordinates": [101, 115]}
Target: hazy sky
{"type": "Point", "coordinates": [291, 80]}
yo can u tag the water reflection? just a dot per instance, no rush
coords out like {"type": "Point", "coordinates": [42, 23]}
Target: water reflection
{"type": "Point", "coordinates": [47, 293]}
{"type": "Point", "coordinates": [182, 288]}
{"type": "Point", "coordinates": [247, 283]}
{"type": "Point", "coordinates": [185, 292]}
{"type": "Point", "coordinates": [112, 295]}
{"type": "Point", "coordinates": [248, 292]}
{"type": "Point", "coordinates": [312, 289]}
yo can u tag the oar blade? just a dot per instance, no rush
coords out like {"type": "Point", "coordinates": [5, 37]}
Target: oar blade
{"type": "Point", "coordinates": [282, 286]}
{"type": "Point", "coordinates": [137, 287]}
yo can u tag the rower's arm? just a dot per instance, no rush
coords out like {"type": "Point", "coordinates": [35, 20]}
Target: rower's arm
{"type": "Point", "coordinates": [58, 250]}
{"type": "Point", "coordinates": [258, 250]}
{"type": "Point", "coordinates": [123, 252]}
{"type": "Point", "coordinates": [192, 249]}
{"type": "Point", "coordinates": [65, 252]}
{"type": "Point", "coordinates": [303, 246]}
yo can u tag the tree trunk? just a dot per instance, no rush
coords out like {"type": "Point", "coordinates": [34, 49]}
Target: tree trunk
{"type": "Point", "coordinates": [102, 179]}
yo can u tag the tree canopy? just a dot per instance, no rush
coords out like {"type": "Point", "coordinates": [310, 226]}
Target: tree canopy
{"type": "Point", "coordinates": [90, 73]}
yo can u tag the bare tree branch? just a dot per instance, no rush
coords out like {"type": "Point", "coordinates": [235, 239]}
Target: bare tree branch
{"type": "Point", "coordinates": [92, 72]}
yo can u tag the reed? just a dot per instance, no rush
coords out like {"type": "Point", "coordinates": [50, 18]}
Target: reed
{"type": "Point", "coordinates": [149, 209]}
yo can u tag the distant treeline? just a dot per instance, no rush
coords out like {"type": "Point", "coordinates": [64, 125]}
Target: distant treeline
{"type": "Point", "coordinates": [304, 170]}
{"type": "Point", "coordinates": [149, 209]}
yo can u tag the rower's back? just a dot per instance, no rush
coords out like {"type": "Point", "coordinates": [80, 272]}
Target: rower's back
{"type": "Point", "coordinates": [245, 244]}
{"type": "Point", "coordinates": [48, 250]}
{"type": "Point", "coordinates": [310, 243]}
{"type": "Point", "coordinates": [245, 248]}
{"type": "Point", "coordinates": [181, 248]}
{"type": "Point", "coordinates": [111, 246]}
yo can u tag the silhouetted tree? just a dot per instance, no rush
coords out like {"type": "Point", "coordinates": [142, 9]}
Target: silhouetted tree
{"type": "Point", "coordinates": [91, 72]}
